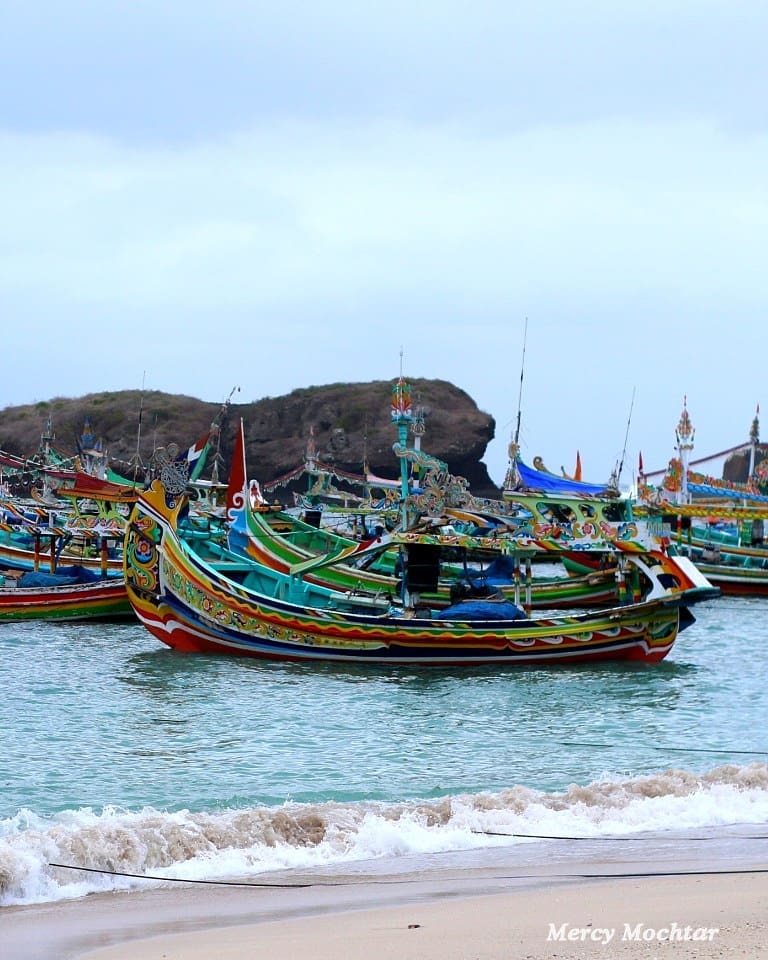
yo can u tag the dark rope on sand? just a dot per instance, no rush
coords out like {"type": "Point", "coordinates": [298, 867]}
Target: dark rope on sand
{"type": "Point", "coordinates": [544, 836]}
{"type": "Point", "coordinates": [610, 746]}
{"type": "Point", "coordinates": [347, 883]}
{"type": "Point", "coordinates": [147, 876]}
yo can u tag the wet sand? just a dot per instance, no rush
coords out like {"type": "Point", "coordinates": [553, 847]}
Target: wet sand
{"type": "Point", "coordinates": [565, 908]}
{"type": "Point", "coordinates": [689, 917]}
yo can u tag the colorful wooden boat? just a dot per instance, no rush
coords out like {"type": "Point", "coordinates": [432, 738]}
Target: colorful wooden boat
{"type": "Point", "coordinates": [63, 598]}
{"type": "Point", "coordinates": [285, 543]}
{"type": "Point", "coordinates": [718, 524]}
{"type": "Point", "coordinates": [195, 598]}
{"type": "Point", "coordinates": [85, 528]}
{"type": "Point", "coordinates": [238, 607]}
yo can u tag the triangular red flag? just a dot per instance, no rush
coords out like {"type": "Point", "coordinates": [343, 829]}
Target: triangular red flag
{"type": "Point", "coordinates": [236, 491]}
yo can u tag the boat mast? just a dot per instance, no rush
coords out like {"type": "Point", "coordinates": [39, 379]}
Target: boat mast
{"type": "Point", "coordinates": [511, 478]}
{"type": "Point", "coordinates": [616, 477]}
{"type": "Point", "coordinates": [418, 429]}
{"type": "Point", "coordinates": [402, 417]}
{"type": "Point", "coordinates": [310, 458]}
{"type": "Point", "coordinates": [213, 434]}
{"type": "Point", "coordinates": [684, 437]}
{"type": "Point", "coordinates": [137, 457]}
{"type": "Point", "coordinates": [520, 391]}
{"type": "Point", "coordinates": [754, 439]}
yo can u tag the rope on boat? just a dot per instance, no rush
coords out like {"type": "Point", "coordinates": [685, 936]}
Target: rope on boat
{"type": "Point", "coordinates": [347, 883]}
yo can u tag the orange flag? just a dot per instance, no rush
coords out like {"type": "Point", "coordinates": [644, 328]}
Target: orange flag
{"type": "Point", "coordinates": [577, 471]}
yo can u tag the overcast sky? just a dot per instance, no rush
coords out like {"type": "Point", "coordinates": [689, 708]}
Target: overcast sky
{"type": "Point", "coordinates": [202, 195]}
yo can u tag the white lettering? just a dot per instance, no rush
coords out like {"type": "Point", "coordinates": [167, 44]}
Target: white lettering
{"type": "Point", "coordinates": [602, 935]}
{"type": "Point", "coordinates": [556, 933]}
{"type": "Point", "coordinates": [674, 932]}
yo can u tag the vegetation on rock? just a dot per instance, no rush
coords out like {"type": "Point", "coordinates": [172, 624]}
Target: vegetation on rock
{"type": "Point", "coordinates": [350, 423]}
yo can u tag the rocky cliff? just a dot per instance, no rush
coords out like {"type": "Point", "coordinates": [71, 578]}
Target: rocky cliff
{"type": "Point", "coordinates": [350, 424]}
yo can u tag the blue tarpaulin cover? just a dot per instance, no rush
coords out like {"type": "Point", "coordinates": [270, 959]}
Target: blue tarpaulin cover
{"type": "Point", "coordinates": [65, 577]}
{"type": "Point", "coordinates": [547, 482]}
{"type": "Point", "coordinates": [482, 610]}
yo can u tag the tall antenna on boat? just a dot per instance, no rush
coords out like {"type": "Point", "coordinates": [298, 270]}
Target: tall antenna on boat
{"type": "Point", "coordinates": [215, 433]}
{"type": "Point", "coordinates": [626, 435]}
{"type": "Point", "coordinates": [137, 458]}
{"type": "Point", "coordinates": [520, 392]}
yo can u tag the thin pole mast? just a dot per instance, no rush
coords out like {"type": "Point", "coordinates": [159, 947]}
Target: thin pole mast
{"type": "Point", "coordinates": [520, 392]}
{"type": "Point", "coordinates": [137, 459]}
{"type": "Point", "coordinates": [626, 436]}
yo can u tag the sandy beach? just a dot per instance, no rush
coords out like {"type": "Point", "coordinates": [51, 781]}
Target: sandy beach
{"type": "Point", "coordinates": [471, 915]}
{"type": "Point", "coordinates": [688, 917]}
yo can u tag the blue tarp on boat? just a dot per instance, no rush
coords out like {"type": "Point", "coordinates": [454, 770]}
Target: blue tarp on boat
{"type": "Point", "coordinates": [65, 577]}
{"type": "Point", "coordinates": [500, 570]}
{"type": "Point", "coordinates": [482, 610]}
{"type": "Point", "coordinates": [707, 490]}
{"type": "Point", "coordinates": [533, 479]}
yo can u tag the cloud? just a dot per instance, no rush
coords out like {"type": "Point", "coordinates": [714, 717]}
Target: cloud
{"type": "Point", "coordinates": [242, 195]}
{"type": "Point", "coordinates": [285, 215]}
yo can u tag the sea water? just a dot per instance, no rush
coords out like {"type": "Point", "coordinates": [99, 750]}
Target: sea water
{"type": "Point", "coordinates": [122, 757]}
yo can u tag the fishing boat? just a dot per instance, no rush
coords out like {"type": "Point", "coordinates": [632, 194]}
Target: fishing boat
{"type": "Point", "coordinates": [70, 569]}
{"type": "Point", "coordinates": [85, 527]}
{"type": "Point", "coordinates": [282, 541]}
{"type": "Point", "coordinates": [69, 594]}
{"type": "Point", "coordinates": [719, 524]}
{"type": "Point", "coordinates": [195, 595]}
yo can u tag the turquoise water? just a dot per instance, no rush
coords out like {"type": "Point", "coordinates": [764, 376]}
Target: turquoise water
{"type": "Point", "coordinates": [103, 731]}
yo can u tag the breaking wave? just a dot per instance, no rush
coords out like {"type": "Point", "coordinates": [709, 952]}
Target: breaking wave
{"type": "Point", "coordinates": [246, 844]}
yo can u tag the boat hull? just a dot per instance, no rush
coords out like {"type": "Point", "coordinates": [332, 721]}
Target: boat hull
{"type": "Point", "coordinates": [731, 579]}
{"type": "Point", "coordinates": [632, 642]}
{"type": "Point", "coordinates": [92, 601]}
{"type": "Point", "coordinates": [734, 581]}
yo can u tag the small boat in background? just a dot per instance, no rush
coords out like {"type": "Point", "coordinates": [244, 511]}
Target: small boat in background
{"type": "Point", "coordinates": [74, 593]}
{"type": "Point", "coordinates": [718, 524]}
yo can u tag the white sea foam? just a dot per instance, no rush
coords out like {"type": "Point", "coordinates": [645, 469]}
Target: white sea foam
{"type": "Point", "coordinates": [248, 843]}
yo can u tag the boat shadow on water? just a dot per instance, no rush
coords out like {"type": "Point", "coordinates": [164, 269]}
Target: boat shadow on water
{"type": "Point", "coordinates": [161, 667]}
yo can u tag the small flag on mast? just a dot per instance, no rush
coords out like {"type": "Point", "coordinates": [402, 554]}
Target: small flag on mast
{"type": "Point", "coordinates": [196, 450]}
